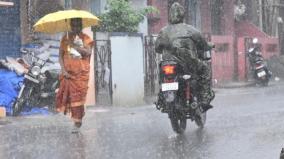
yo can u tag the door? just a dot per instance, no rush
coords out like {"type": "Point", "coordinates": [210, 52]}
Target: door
{"type": "Point", "coordinates": [127, 69]}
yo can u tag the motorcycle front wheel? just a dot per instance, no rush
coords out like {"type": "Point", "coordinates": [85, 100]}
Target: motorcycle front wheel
{"type": "Point", "coordinates": [178, 123]}
{"type": "Point", "coordinates": [22, 100]}
{"type": "Point", "coordinates": [17, 107]}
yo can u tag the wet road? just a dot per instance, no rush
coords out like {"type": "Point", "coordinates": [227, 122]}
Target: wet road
{"type": "Point", "coordinates": [246, 123]}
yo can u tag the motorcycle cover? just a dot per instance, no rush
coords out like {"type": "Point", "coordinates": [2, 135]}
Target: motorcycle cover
{"type": "Point", "coordinates": [10, 84]}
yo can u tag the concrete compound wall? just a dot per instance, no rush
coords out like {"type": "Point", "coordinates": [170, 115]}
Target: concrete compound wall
{"type": "Point", "coordinates": [10, 33]}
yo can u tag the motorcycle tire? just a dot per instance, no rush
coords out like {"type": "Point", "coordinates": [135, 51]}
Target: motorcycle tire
{"type": "Point", "coordinates": [22, 101]}
{"type": "Point", "coordinates": [17, 107]}
{"type": "Point", "coordinates": [262, 82]}
{"type": "Point", "coordinates": [265, 82]}
{"type": "Point", "coordinates": [178, 124]}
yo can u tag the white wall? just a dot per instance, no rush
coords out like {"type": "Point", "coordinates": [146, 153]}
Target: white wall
{"type": "Point", "coordinates": [127, 70]}
{"type": "Point", "coordinates": [90, 99]}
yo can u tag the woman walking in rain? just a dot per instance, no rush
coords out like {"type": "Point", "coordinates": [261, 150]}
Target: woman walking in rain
{"type": "Point", "coordinates": [74, 59]}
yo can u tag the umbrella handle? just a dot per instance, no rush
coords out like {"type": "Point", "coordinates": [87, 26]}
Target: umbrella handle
{"type": "Point", "coordinates": [67, 27]}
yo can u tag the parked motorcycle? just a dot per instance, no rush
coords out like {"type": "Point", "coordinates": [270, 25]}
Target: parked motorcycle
{"type": "Point", "coordinates": [178, 95]}
{"type": "Point", "coordinates": [39, 86]}
{"type": "Point", "coordinates": [261, 74]}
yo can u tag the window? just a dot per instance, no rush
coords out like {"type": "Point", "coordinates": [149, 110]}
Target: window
{"type": "Point", "coordinates": [222, 47]}
{"type": "Point", "coordinates": [271, 48]}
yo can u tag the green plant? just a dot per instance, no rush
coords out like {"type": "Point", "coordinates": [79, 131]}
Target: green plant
{"type": "Point", "coordinates": [120, 17]}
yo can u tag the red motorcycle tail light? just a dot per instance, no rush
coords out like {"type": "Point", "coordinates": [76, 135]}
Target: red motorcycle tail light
{"type": "Point", "coordinates": [168, 69]}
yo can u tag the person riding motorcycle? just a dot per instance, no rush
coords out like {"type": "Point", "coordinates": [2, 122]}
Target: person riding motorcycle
{"type": "Point", "coordinates": [185, 44]}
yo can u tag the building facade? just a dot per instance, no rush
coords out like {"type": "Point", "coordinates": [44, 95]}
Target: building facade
{"type": "Point", "coordinates": [230, 30]}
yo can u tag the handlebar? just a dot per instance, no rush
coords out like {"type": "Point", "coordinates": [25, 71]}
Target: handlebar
{"type": "Point", "coordinates": [23, 50]}
{"type": "Point", "coordinates": [34, 57]}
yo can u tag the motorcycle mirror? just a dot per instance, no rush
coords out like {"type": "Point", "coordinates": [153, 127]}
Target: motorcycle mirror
{"type": "Point", "coordinates": [186, 77]}
{"type": "Point", "coordinates": [251, 49]}
{"type": "Point", "coordinates": [23, 50]}
{"type": "Point", "coordinates": [211, 45]}
{"type": "Point", "coordinates": [255, 40]}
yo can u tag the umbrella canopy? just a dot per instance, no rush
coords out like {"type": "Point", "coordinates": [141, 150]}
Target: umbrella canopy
{"type": "Point", "coordinates": [60, 21]}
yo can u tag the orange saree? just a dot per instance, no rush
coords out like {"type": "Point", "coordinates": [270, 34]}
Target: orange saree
{"type": "Point", "coordinates": [72, 92]}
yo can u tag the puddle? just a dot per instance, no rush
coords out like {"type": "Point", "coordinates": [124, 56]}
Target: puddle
{"type": "Point", "coordinates": [4, 122]}
{"type": "Point", "coordinates": [99, 110]}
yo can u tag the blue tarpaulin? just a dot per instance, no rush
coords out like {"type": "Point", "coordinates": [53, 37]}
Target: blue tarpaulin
{"type": "Point", "coordinates": [7, 102]}
{"type": "Point", "coordinates": [35, 110]}
{"type": "Point", "coordinates": [10, 84]}
{"type": "Point", "coordinates": [9, 87]}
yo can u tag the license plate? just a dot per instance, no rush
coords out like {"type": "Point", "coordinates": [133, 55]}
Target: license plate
{"type": "Point", "coordinates": [260, 74]}
{"type": "Point", "coordinates": [169, 86]}
{"type": "Point", "coordinates": [31, 78]}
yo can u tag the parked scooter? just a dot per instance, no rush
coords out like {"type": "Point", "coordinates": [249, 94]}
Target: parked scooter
{"type": "Point", "coordinates": [261, 74]}
{"type": "Point", "coordinates": [39, 86]}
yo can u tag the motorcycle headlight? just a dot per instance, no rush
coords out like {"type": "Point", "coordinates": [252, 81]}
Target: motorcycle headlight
{"type": "Point", "coordinates": [35, 70]}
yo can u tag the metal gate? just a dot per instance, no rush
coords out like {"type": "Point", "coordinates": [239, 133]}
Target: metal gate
{"type": "Point", "coordinates": [103, 73]}
{"type": "Point", "coordinates": [151, 66]}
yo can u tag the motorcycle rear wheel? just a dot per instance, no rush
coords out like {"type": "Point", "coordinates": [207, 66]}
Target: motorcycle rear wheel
{"type": "Point", "coordinates": [178, 124]}
{"type": "Point", "coordinates": [264, 82]}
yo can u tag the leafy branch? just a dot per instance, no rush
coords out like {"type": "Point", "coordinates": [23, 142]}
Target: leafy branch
{"type": "Point", "coordinates": [120, 17]}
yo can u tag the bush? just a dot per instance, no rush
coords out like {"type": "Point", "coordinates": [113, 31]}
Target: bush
{"type": "Point", "coordinates": [120, 17]}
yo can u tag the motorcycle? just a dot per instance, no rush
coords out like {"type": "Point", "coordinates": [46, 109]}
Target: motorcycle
{"type": "Point", "coordinates": [178, 95]}
{"type": "Point", "coordinates": [261, 74]}
{"type": "Point", "coordinates": [39, 85]}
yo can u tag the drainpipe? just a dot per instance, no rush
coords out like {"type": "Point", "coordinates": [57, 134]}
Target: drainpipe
{"type": "Point", "coordinates": [280, 35]}
{"type": "Point", "coordinates": [260, 15]}
{"type": "Point", "coordinates": [68, 4]}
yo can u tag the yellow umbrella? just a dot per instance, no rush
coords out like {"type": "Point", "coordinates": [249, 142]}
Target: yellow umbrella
{"type": "Point", "coordinates": [60, 21]}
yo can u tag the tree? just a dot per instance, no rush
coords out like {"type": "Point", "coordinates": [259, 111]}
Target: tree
{"type": "Point", "coordinates": [120, 17]}
{"type": "Point", "coordinates": [269, 14]}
